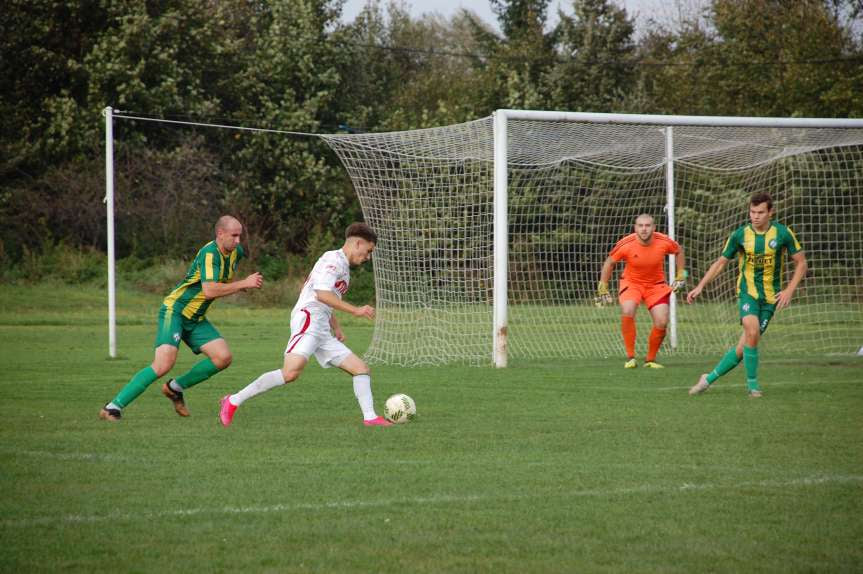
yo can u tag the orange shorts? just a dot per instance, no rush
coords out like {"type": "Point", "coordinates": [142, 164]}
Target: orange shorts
{"type": "Point", "coordinates": [652, 295]}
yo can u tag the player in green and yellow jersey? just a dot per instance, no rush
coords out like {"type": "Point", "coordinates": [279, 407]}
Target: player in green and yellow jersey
{"type": "Point", "coordinates": [760, 247]}
{"type": "Point", "coordinates": [182, 318]}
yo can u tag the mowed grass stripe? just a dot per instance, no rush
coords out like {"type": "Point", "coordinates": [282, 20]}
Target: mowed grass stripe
{"type": "Point", "coordinates": [804, 482]}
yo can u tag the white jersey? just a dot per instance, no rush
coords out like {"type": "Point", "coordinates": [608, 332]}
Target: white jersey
{"type": "Point", "coordinates": [332, 273]}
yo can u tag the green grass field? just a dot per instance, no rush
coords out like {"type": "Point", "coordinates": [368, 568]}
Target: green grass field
{"type": "Point", "coordinates": [542, 467]}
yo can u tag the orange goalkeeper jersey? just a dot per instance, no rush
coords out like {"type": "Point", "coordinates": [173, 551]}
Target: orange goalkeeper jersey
{"type": "Point", "coordinates": [644, 263]}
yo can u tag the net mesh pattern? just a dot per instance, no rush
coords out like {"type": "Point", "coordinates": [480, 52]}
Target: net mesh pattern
{"type": "Point", "coordinates": [574, 189]}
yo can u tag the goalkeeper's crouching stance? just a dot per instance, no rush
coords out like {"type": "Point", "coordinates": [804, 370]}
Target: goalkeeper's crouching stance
{"type": "Point", "coordinates": [643, 280]}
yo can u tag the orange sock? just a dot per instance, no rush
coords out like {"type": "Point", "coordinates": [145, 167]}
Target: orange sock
{"type": "Point", "coordinates": [627, 327]}
{"type": "Point", "coordinates": [657, 335]}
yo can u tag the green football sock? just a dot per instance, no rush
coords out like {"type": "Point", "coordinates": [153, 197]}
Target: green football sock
{"type": "Point", "coordinates": [139, 383]}
{"type": "Point", "coordinates": [750, 361]}
{"type": "Point", "coordinates": [202, 371]}
{"type": "Point", "coordinates": [728, 361]}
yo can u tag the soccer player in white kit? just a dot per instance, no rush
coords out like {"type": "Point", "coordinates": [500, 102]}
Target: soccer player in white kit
{"type": "Point", "coordinates": [315, 330]}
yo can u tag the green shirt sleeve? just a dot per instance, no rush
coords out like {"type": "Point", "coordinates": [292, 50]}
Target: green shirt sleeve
{"type": "Point", "coordinates": [210, 264]}
{"type": "Point", "coordinates": [790, 241]}
{"type": "Point", "coordinates": [732, 245]}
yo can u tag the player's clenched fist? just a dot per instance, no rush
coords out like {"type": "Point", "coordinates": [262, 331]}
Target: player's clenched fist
{"type": "Point", "coordinates": [254, 281]}
{"type": "Point", "coordinates": [366, 311]}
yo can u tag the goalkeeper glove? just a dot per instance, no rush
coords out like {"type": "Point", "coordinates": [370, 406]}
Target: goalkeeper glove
{"type": "Point", "coordinates": [603, 297]}
{"type": "Point", "coordinates": [679, 280]}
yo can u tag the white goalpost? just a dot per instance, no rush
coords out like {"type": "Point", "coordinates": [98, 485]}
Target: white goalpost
{"type": "Point", "coordinates": [493, 232]}
{"type": "Point", "coordinates": [110, 114]}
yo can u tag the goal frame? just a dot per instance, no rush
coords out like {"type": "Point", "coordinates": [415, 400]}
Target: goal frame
{"type": "Point", "coordinates": [500, 120]}
{"type": "Point", "coordinates": [501, 174]}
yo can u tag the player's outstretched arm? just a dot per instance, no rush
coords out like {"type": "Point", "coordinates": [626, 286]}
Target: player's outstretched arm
{"type": "Point", "coordinates": [783, 299]}
{"type": "Point", "coordinates": [711, 274]}
{"type": "Point", "coordinates": [331, 299]}
{"type": "Point", "coordinates": [215, 289]}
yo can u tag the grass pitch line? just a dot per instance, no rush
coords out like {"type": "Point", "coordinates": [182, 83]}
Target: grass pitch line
{"type": "Point", "coordinates": [428, 500]}
{"type": "Point", "coordinates": [88, 456]}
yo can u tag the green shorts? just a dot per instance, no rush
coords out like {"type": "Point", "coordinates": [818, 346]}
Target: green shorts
{"type": "Point", "coordinates": [173, 328]}
{"type": "Point", "coordinates": [747, 305]}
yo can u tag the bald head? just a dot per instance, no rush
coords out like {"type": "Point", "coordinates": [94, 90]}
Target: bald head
{"type": "Point", "coordinates": [645, 218]}
{"type": "Point", "coordinates": [644, 228]}
{"type": "Point", "coordinates": [227, 221]}
{"type": "Point", "coordinates": [228, 232]}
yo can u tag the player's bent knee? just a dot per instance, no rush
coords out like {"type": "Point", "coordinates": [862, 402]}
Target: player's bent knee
{"type": "Point", "coordinates": [162, 366]}
{"type": "Point", "coordinates": [160, 369]}
{"type": "Point", "coordinates": [751, 337]}
{"type": "Point", "coordinates": [354, 366]}
{"type": "Point", "coordinates": [223, 361]}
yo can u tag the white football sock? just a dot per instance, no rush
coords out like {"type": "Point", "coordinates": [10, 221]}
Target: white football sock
{"type": "Point", "coordinates": [363, 391]}
{"type": "Point", "coordinates": [260, 385]}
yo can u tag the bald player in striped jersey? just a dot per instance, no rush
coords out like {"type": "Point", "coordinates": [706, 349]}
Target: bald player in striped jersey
{"type": "Point", "coordinates": [643, 281]}
{"type": "Point", "coordinates": [760, 247]}
{"type": "Point", "coordinates": [182, 318]}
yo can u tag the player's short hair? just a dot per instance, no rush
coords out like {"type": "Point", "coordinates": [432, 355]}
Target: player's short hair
{"type": "Point", "coordinates": [761, 197]}
{"type": "Point", "coordinates": [647, 215]}
{"type": "Point", "coordinates": [361, 230]}
{"type": "Point", "coordinates": [224, 222]}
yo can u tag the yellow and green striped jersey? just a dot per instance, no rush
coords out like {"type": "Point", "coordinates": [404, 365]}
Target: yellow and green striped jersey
{"type": "Point", "coordinates": [209, 265]}
{"type": "Point", "coordinates": [760, 259]}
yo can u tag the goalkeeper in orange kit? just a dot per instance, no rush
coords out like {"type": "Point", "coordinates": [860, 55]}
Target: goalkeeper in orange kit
{"type": "Point", "coordinates": [643, 280]}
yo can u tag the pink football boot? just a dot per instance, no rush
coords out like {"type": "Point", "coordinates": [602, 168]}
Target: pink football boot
{"type": "Point", "coordinates": [378, 422]}
{"type": "Point", "coordinates": [226, 411]}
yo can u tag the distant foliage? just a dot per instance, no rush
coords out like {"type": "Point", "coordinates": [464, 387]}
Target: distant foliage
{"type": "Point", "coordinates": [292, 65]}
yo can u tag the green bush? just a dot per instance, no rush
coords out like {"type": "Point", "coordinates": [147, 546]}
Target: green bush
{"type": "Point", "coordinates": [151, 275]}
{"type": "Point", "coordinates": [58, 262]}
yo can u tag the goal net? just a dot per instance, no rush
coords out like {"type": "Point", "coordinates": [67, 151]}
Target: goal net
{"type": "Point", "coordinates": [573, 188]}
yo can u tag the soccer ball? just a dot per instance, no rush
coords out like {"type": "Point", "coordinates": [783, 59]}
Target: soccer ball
{"type": "Point", "coordinates": [400, 408]}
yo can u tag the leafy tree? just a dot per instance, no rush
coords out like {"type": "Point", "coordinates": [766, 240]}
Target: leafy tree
{"type": "Point", "coordinates": [756, 57]}
{"type": "Point", "coordinates": [42, 43]}
{"type": "Point", "coordinates": [266, 60]}
{"type": "Point", "coordinates": [289, 79]}
{"type": "Point", "coordinates": [403, 73]}
{"type": "Point", "coordinates": [594, 70]}
{"type": "Point", "coordinates": [515, 64]}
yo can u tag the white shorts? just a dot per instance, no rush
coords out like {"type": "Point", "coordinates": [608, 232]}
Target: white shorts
{"type": "Point", "coordinates": [311, 335]}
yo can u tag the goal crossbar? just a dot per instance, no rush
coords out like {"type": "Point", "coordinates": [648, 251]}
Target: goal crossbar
{"type": "Point", "coordinates": [666, 120]}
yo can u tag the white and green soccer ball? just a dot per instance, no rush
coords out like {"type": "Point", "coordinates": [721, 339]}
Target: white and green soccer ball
{"type": "Point", "coordinates": [400, 408]}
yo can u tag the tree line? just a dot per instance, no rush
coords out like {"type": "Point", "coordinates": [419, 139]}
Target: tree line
{"type": "Point", "coordinates": [293, 65]}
